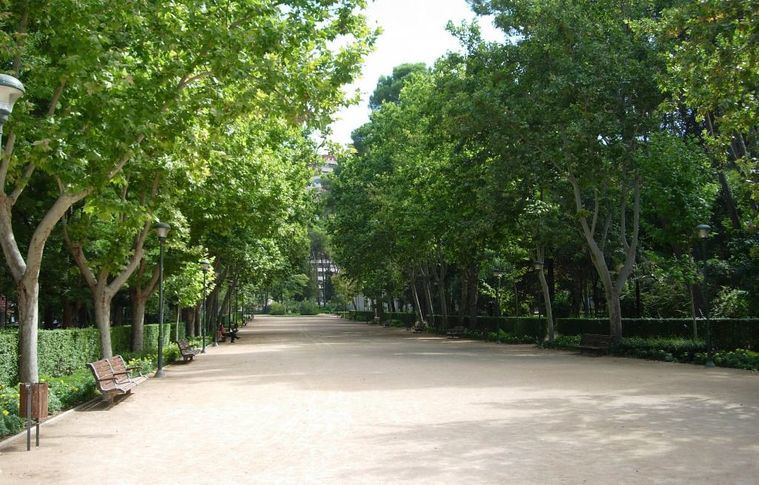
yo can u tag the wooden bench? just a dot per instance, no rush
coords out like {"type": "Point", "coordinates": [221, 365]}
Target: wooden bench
{"type": "Point", "coordinates": [113, 377]}
{"type": "Point", "coordinates": [595, 342]}
{"type": "Point", "coordinates": [457, 331]}
{"type": "Point", "coordinates": [188, 353]}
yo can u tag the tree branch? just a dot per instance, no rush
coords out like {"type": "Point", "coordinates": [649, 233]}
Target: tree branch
{"type": "Point", "coordinates": [5, 163]}
{"type": "Point", "coordinates": [631, 251]}
{"type": "Point", "coordinates": [124, 275]}
{"type": "Point", "coordinates": [80, 259]}
{"type": "Point", "coordinates": [45, 227]}
{"type": "Point", "coordinates": [56, 97]}
{"type": "Point", "coordinates": [21, 183]}
{"type": "Point", "coordinates": [12, 254]}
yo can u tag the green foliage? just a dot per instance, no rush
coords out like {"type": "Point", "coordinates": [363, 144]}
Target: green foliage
{"type": "Point", "coordinates": [562, 342]}
{"type": "Point", "coordinates": [69, 390]}
{"type": "Point", "coordinates": [67, 351]}
{"type": "Point", "coordinates": [389, 88]}
{"type": "Point", "coordinates": [10, 423]}
{"type": "Point", "coordinates": [308, 307]}
{"type": "Point", "coordinates": [739, 359]}
{"type": "Point", "coordinates": [277, 308]}
{"type": "Point", "coordinates": [667, 349]}
{"type": "Point", "coordinates": [731, 303]}
{"type": "Point", "coordinates": [8, 356]}
{"type": "Point", "coordinates": [504, 337]}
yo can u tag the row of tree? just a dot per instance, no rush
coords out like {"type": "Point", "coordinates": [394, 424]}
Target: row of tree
{"type": "Point", "coordinates": [592, 141]}
{"type": "Point", "coordinates": [200, 114]}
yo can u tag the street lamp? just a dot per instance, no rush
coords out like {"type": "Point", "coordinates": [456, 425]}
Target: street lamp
{"type": "Point", "coordinates": [162, 230]}
{"type": "Point", "coordinates": [703, 232]}
{"type": "Point", "coordinates": [10, 90]}
{"type": "Point", "coordinates": [205, 265]}
{"type": "Point", "coordinates": [538, 264]}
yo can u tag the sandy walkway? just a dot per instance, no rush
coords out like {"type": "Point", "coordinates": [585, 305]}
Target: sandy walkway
{"type": "Point", "coordinates": [318, 400]}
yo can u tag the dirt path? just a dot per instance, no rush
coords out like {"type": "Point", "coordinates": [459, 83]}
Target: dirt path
{"type": "Point", "coordinates": [318, 400]}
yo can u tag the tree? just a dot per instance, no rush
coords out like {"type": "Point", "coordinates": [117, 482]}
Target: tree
{"type": "Point", "coordinates": [102, 81]}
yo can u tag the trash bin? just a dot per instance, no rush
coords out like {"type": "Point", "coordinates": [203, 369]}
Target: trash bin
{"type": "Point", "coordinates": [39, 394]}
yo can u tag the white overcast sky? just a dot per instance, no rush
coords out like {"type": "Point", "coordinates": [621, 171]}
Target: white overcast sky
{"type": "Point", "coordinates": [412, 31]}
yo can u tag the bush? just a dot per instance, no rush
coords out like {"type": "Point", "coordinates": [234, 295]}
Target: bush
{"type": "Point", "coordinates": [277, 309]}
{"type": "Point", "coordinates": [10, 423]}
{"type": "Point", "coordinates": [65, 351]}
{"type": "Point", "coordinates": [738, 359]}
{"type": "Point", "coordinates": [667, 349]}
{"type": "Point", "coordinates": [69, 391]}
{"type": "Point", "coordinates": [562, 342]}
{"type": "Point", "coordinates": [308, 307]}
{"type": "Point", "coordinates": [507, 338]}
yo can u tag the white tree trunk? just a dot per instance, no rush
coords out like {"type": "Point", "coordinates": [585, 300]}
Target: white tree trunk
{"type": "Point", "coordinates": [28, 299]}
{"type": "Point", "coordinates": [550, 332]}
{"type": "Point", "coordinates": [102, 303]}
{"type": "Point", "coordinates": [138, 322]}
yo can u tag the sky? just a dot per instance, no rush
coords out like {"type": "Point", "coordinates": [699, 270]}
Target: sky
{"type": "Point", "coordinates": [412, 31]}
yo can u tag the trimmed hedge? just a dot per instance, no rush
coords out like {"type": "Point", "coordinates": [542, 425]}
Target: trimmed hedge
{"type": "Point", "coordinates": [64, 351]}
{"type": "Point", "coordinates": [727, 333]}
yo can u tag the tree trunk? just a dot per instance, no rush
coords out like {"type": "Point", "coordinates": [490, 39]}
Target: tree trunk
{"type": "Point", "coordinates": [138, 322]}
{"type": "Point", "coordinates": [28, 297]}
{"type": "Point", "coordinates": [440, 275]}
{"type": "Point", "coordinates": [428, 292]}
{"type": "Point", "coordinates": [550, 333]}
{"type": "Point", "coordinates": [102, 306]}
{"type": "Point", "coordinates": [417, 305]}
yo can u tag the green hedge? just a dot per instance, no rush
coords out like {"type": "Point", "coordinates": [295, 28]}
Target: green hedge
{"type": "Point", "coordinates": [727, 333]}
{"type": "Point", "coordinates": [64, 351]}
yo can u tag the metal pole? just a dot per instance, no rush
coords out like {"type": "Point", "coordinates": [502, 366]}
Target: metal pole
{"type": "Point", "coordinates": [705, 311]}
{"type": "Point", "coordinates": [28, 388]}
{"type": "Point", "coordinates": [159, 372]}
{"type": "Point", "coordinates": [498, 297]}
{"type": "Point", "coordinates": [203, 322]}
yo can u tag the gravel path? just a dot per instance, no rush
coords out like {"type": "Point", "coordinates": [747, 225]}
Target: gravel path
{"type": "Point", "coordinates": [319, 400]}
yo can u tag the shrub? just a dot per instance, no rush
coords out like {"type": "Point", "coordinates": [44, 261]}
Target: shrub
{"type": "Point", "coordinates": [667, 349]}
{"type": "Point", "coordinates": [739, 359]}
{"type": "Point", "coordinates": [308, 307]}
{"type": "Point", "coordinates": [562, 342]}
{"type": "Point", "coordinates": [277, 309]}
{"type": "Point", "coordinates": [70, 390]}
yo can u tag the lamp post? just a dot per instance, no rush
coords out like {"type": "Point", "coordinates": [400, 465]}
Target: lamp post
{"type": "Point", "coordinates": [205, 265]}
{"type": "Point", "coordinates": [498, 274]}
{"type": "Point", "coordinates": [162, 230]}
{"type": "Point", "coordinates": [703, 232]}
{"type": "Point", "coordinates": [11, 90]}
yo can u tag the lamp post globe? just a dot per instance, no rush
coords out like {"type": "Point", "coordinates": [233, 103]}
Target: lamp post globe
{"type": "Point", "coordinates": [538, 264]}
{"type": "Point", "coordinates": [11, 90]}
{"type": "Point", "coordinates": [162, 230]}
{"type": "Point", "coordinates": [703, 230]}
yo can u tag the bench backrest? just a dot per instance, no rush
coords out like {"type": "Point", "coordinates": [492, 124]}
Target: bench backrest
{"type": "Point", "coordinates": [103, 373]}
{"type": "Point", "coordinates": [118, 365]}
{"type": "Point", "coordinates": [183, 344]}
{"type": "Point", "coordinates": [595, 340]}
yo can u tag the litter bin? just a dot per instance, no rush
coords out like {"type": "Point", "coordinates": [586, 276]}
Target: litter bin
{"type": "Point", "coordinates": [33, 406]}
{"type": "Point", "coordinates": [38, 402]}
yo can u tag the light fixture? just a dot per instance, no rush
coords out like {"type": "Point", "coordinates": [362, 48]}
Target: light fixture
{"type": "Point", "coordinates": [11, 90]}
